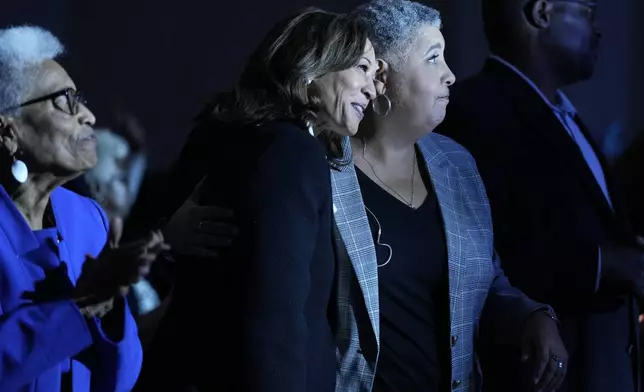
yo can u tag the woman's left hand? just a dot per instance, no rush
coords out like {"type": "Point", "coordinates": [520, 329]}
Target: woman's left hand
{"type": "Point", "coordinates": [542, 344]}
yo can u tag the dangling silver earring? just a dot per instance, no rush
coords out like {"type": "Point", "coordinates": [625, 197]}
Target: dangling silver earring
{"type": "Point", "coordinates": [309, 127]}
{"type": "Point", "coordinates": [381, 108]}
{"type": "Point", "coordinates": [19, 170]}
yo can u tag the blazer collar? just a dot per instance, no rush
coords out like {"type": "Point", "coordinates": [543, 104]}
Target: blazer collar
{"type": "Point", "coordinates": [15, 227]}
{"type": "Point", "coordinates": [345, 162]}
{"type": "Point", "coordinates": [446, 182]}
{"type": "Point", "coordinates": [539, 120]}
{"type": "Point", "coordinates": [561, 104]}
{"type": "Point", "coordinates": [355, 234]}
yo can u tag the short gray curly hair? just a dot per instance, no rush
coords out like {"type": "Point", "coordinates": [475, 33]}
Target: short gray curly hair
{"type": "Point", "coordinates": [393, 25]}
{"type": "Point", "coordinates": [22, 48]}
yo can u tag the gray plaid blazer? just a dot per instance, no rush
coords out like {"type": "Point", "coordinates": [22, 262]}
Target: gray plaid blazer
{"type": "Point", "coordinates": [475, 277]}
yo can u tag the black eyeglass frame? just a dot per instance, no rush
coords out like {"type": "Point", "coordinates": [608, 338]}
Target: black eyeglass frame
{"type": "Point", "coordinates": [582, 2]}
{"type": "Point", "coordinates": [592, 5]}
{"type": "Point", "coordinates": [74, 99]}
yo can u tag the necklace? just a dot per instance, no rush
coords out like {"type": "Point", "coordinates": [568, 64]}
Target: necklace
{"type": "Point", "coordinates": [379, 235]}
{"type": "Point", "coordinates": [413, 175]}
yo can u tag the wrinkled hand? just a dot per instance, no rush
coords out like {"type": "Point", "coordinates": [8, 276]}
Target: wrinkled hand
{"type": "Point", "coordinates": [542, 345]}
{"type": "Point", "coordinates": [118, 266]}
{"type": "Point", "coordinates": [201, 231]}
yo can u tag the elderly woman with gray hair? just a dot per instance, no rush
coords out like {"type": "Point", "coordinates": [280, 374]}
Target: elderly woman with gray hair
{"type": "Point", "coordinates": [64, 323]}
{"type": "Point", "coordinates": [417, 265]}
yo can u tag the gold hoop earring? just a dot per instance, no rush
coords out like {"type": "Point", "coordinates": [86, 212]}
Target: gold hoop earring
{"type": "Point", "coordinates": [381, 108]}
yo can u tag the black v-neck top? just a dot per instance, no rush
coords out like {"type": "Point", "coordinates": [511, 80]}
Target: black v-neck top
{"type": "Point", "coordinates": [414, 323]}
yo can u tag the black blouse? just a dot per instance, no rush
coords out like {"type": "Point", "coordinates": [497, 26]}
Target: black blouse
{"type": "Point", "coordinates": [414, 323]}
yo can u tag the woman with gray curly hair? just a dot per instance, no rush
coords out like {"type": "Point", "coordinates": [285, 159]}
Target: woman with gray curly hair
{"type": "Point", "coordinates": [416, 234]}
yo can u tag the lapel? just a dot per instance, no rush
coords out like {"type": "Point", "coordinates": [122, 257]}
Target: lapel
{"type": "Point", "coordinates": [62, 197]}
{"type": "Point", "coordinates": [355, 234]}
{"type": "Point", "coordinates": [445, 179]}
{"type": "Point", "coordinates": [16, 229]}
{"type": "Point", "coordinates": [22, 238]}
{"type": "Point", "coordinates": [540, 121]}
{"type": "Point", "coordinates": [613, 188]}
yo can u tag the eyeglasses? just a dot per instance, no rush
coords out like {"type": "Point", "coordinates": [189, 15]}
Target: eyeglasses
{"type": "Point", "coordinates": [591, 6]}
{"type": "Point", "coordinates": [73, 100]}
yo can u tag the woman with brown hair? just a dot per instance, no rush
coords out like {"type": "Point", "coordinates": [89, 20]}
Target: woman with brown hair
{"type": "Point", "coordinates": [266, 148]}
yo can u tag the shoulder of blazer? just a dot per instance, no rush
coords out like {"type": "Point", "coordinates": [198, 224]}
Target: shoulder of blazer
{"type": "Point", "coordinates": [459, 158]}
{"type": "Point", "coordinates": [455, 154]}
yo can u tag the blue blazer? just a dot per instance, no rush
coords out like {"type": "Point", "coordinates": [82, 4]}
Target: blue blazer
{"type": "Point", "coordinates": [41, 338]}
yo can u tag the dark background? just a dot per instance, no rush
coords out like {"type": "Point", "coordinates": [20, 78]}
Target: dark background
{"type": "Point", "coordinates": [161, 60]}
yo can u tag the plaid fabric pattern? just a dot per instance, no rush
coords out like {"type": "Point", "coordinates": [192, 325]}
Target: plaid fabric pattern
{"type": "Point", "coordinates": [472, 263]}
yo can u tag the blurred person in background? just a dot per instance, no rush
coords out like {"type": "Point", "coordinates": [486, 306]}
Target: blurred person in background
{"type": "Point", "coordinates": [122, 162]}
{"type": "Point", "coordinates": [114, 182]}
{"type": "Point", "coordinates": [128, 136]}
{"type": "Point", "coordinates": [560, 225]}
{"type": "Point", "coordinates": [64, 325]}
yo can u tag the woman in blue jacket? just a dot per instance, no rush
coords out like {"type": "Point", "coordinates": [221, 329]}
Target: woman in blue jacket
{"type": "Point", "coordinates": [64, 325]}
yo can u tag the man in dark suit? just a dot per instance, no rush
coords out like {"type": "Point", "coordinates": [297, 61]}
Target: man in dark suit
{"type": "Point", "coordinates": [560, 227]}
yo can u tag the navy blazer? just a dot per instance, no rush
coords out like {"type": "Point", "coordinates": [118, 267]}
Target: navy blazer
{"type": "Point", "coordinates": [476, 280]}
{"type": "Point", "coordinates": [258, 319]}
{"type": "Point", "coordinates": [550, 218]}
{"type": "Point", "coordinates": [41, 337]}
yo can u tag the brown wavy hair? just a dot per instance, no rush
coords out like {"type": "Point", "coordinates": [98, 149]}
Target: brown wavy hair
{"type": "Point", "coordinates": [273, 85]}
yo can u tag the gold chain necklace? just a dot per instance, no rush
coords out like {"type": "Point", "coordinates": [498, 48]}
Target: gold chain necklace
{"type": "Point", "coordinates": [413, 175]}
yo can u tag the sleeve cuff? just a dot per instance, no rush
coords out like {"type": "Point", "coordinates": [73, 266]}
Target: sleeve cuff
{"type": "Point", "coordinates": [103, 336]}
{"type": "Point", "coordinates": [76, 326]}
{"type": "Point", "coordinates": [548, 311]}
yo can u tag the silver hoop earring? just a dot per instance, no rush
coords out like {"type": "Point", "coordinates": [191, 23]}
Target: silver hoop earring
{"type": "Point", "coordinates": [381, 108]}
